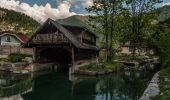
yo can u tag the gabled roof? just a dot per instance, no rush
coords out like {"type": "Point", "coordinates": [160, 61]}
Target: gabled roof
{"type": "Point", "coordinates": [21, 37]}
{"type": "Point", "coordinates": [68, 35]}
{"type": "Point", "coordinates": [81, 27]}
{"type": "Point", "coordinates": [76, 21]}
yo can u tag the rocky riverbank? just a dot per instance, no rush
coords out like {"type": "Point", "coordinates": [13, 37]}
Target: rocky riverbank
{"type": "Point", "coordinates": [20, 67]}
{"type": "Point", "coordinates": [152, 89]}
{"type": "Point", "coordinates": [93, 73]}
{"type": "Point", "coordinates": [95, 69]}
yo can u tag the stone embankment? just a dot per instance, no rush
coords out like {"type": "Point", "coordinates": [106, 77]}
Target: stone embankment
{"type": "Point", "coordinates": [19, 67]}
{"type": "Point", "coordinates": [153, 88]}
{"type": "Point", "coordinates": [15, 97]}
{"type": "Point", "coordinates": [93, 73]}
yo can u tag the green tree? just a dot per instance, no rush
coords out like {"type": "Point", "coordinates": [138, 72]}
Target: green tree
{"type": "Point", "coordinates": [139, 16]}
{"type": "Point", "coordinates": [105, 21]}
{"type": "Point", "coordinates": [163, 43]}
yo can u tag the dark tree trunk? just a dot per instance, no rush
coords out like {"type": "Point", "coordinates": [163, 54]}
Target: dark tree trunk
{"type": "Point", "coordinates": [134, 51]}
{"type": "Point", "coordinates": [112, 29]}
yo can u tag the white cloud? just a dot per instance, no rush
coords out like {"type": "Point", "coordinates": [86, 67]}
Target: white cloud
{"type": "Point", "coordinates": [88, 3]}
{"type": "Point", "coordinates": [164, 4]}
{"type": "Point", "coordinates": [39, 13]}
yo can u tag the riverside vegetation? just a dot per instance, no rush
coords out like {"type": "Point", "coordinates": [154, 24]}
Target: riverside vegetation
{"type": "Point", "coordinates": [14, 57]}
{"type": "Point", "coordinates": [102, 67]}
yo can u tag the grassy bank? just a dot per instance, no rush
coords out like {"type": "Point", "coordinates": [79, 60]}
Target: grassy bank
{"type": "Point", "coordinates": [164, 85]}
{"type": "Point", "coordinates": [102, 67]}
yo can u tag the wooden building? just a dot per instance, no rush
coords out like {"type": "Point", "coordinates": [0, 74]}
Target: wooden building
{"type": "Point", "coordinates": [127, 49]}
{"type": "Point", "coordinates": [63, 44]}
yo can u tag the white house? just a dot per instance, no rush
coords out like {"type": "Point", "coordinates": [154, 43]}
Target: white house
{"type": "Point", "coordinates": [10, 42]}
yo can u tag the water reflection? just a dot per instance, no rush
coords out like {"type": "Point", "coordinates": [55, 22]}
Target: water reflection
{"type": "Point", "coordinates": [118, 86]}
{"type": "Point", "coordinates": [12, 85]}
{"type": "Point", "coordinates": [57, 86]}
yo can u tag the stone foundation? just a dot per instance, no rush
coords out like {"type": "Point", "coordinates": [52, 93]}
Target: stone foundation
{"type": "Point", "coordinates": [14, 67]}
{"type": "Point", "coordinates": [40, 67]}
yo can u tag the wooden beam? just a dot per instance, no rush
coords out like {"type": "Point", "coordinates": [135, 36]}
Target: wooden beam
{"type": "Point", "coordinates": [73, 55]}
{"type": "Point", "coordinates": [73, 60]}
{"type": "Point", "coordinates": [34, 54]}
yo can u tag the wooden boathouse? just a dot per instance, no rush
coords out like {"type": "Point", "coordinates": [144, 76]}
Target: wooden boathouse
{"type": "Point", "coordinates": [63, 44]}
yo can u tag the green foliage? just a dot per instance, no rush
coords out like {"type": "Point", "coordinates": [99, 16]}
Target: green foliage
{"type": "Point", "coordinates": [102, 67]}
{"type": "Point", "coordinates": [105, 23]}
{"type": "Point", "coordinates": [3, 59]}
{"type": "Point", "coordinates": [139, 17]}
{"type": "Point", "coordinates": [163, 43]}
{"type": "Point", "coordinates": [17, 57]}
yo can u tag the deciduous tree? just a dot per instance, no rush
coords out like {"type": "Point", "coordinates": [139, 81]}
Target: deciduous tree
{"type": "Point", "coordinates": [140, 15]}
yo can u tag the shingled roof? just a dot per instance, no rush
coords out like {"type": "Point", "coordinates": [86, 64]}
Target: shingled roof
{"type": "Point", "coordinates": [68, 35]}
{"type": "Point", "coordinates": [76, 21]}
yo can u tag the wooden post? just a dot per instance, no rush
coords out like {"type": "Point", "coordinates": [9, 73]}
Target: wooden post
{"type": "Point", "coordinates": [10, 51]}
{"type": "Point", "coordinates": [34, 54]}
{"type": "Point", "coordinates": [82, 37]}
{"type": "Point", "coordinates": [73, 60]}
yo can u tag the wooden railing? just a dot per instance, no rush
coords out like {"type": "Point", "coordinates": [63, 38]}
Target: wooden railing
{"type": "Point", "coordinates": [50, 38]}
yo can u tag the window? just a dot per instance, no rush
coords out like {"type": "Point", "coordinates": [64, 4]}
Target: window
{"type": "Point", "coordinates": [8, 39]}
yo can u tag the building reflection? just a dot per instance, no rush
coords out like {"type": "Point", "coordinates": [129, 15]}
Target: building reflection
{"type": "Point", "coordinates": [12, 85]}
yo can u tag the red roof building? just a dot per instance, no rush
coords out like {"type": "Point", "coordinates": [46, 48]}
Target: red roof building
{"type": "Point", "coordinates": [12, 38]}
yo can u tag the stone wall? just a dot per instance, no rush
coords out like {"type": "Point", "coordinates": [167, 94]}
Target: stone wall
{"type": "Point", "coordinates": [13, 67]}
{"type": "Point", "coordinates": [152, 89]}
{"type": "Point", "coordinates": [40, 67]}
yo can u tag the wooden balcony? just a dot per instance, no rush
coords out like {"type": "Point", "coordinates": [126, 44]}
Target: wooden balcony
{"type": "Point", "coordinates": [49, 38]}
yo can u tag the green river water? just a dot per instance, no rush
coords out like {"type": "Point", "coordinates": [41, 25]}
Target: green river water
{"type": "Point", "coordinates": [61, 86]}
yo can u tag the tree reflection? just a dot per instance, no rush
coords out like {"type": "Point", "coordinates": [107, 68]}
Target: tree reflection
{"type": "Point", "coordinates": [121, 87]}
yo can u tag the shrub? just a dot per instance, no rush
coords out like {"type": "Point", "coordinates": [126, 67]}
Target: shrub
{"type": "Point", "coordinates": [101, 66]}
{"type": "Point", "coordinates": [17, 57]}
{"type": "Point", "coordinates": [3, 59]}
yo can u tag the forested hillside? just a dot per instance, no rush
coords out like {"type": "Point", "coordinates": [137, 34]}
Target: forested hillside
{"type": "Point", "coordinates": [15, 21]}
{"type": "Point", "coordinates": [164, 13]}
{"type": "Point", "coordinates": [75, 20]}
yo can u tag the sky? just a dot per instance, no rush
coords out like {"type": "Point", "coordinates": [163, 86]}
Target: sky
{"type": "Point", "coordinates": [41, 10]}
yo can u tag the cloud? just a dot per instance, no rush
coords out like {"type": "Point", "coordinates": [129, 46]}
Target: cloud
{"type": "Point", "coordinates": [88, 3]}
{"type": "Point", "coordinates": [40, 13]}
{"type": "Point", "coordinates": [165, 4]}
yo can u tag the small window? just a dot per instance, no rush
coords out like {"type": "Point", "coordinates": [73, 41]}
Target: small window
{"type": "Point", "coordinates": [8, 39]}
